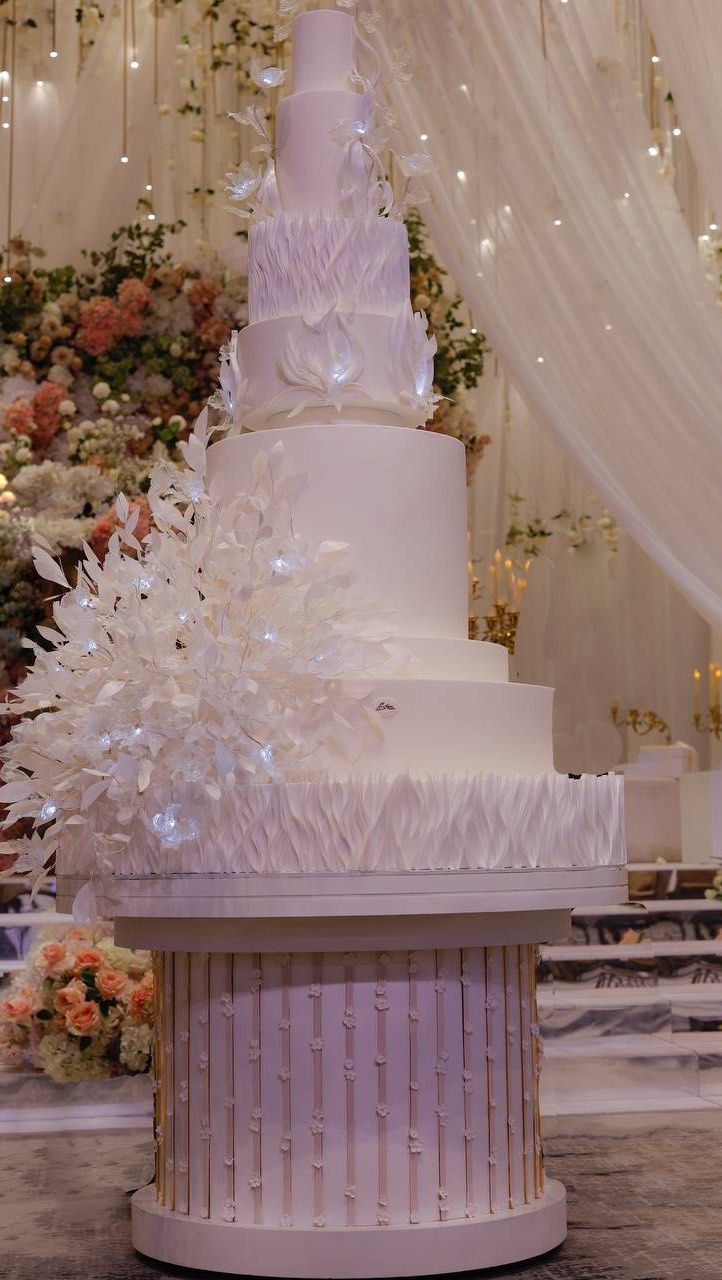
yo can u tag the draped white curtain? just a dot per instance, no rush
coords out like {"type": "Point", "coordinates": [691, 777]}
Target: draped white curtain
{"type": "Point", "coordinates": [688, 38]}
{"type": "Point", "coordinates": [574, 256]}
{"type": "Point", "coordinates": [597, 626]}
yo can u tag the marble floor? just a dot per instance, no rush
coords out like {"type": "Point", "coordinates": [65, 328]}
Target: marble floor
{"type": "Point", "coordinates": [645, 1202]}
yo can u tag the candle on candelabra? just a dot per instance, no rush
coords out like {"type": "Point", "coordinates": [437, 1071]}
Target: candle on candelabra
{"type": "Point", "coordinates": [498, 594]}
{"type": "Point", "coordinates": [697, 679]}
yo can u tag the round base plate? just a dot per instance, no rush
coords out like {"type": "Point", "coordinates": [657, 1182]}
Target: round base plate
{"type": "Point", "coordinates": [352, 1253]}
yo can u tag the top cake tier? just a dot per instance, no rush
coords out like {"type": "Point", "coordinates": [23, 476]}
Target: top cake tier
{"type": "Point", "coordinates": [310, 152]}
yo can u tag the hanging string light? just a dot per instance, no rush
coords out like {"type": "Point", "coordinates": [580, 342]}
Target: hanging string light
{"type": "Point", "coordinates": [134, 62]}
{"type": "Point", "coordinates": [9, 54]}
{"type": "Point", "coordinates": [54, 51]}
{"type": "Point", "coordinates": [124, 157]}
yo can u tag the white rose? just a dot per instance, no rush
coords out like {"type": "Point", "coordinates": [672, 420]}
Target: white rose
{"type": "Point", "coordinates": [86, 425]}
{"type": "Point", "coordinates": [58, 373]}
{"type": "Point", "coordinates": [101, 391]}
{"type": "Point", "coordinates": [110, 406]}
{"type": "Point", "coordinates": [8, 498]}
{"type": "Point", "coordinates": [125, 397]}
{"type": "Point", "coordinates": [67, 408]}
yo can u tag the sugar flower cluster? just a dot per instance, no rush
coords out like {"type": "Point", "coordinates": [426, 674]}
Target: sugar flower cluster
{"type": "Point", "coordinates": [220, 650]}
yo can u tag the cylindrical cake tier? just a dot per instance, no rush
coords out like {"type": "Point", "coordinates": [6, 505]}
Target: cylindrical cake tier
{"type": "Point", "coordinates": [397, 498]}
{"type": "Point", "coordinates": [322, 1093]}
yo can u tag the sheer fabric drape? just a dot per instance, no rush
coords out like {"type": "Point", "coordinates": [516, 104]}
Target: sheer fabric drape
{"type": "Point", "coordinates": [595, 625]}
{"type": "Point", "coordinates": [574, 255]}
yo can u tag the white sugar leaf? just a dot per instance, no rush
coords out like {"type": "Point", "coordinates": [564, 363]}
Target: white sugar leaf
{"type": "Point", "coordinates": [49, 568]}
{"type": "Point", "coordinates": [110, 689]}
{"type": "Point", "coordinates": [122, 507]}
{"type": "Point", "coordinates": [77, 820]}
{"type": "Point", "coordinates": [16, 791]}
{"type": "Point", "coordinates": [90, 795]}
{"type": "Point", "coordinates": [144, 774]}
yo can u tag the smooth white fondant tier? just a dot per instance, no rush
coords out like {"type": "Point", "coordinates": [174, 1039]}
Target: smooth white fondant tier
{"type": "Point", "coordinates": [323, 50]}
{"type": "Point", "coordinates": [459, 726]}
{"type": "Point", "coordinates": [398, 498]}
{"type": "Point", "coordinates": [444, 659]}
{"type": "Point", "coordinates": [311, 151]}
{"type": "Point", "coordinates": [351, 364]}
{"type": "Point", "coordinates": [374, 824]}
{"type": "Point", "coordinates": [309, 265]}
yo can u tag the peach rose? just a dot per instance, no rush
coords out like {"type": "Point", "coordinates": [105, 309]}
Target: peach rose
{"type": "Point", "coordinates": [20, 1005]}
{"type": "Point", "coordinates": [110, 983]}
{"type": "Point", "coordinates": [84, 1019]}
{"type": "Point", "coordinates": [69, 997]}
{"type": "Point", "coordinates": [53, 956]}
{"type": "Point", "coordinates": [141, 1000]}
{"type": "Point", "coordinates": [87, 958]}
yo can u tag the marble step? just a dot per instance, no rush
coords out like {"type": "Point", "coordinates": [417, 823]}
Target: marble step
{"type": "Point", "coordinates": [31, 1102]}
{"type": "Point", "coordinates": [574, 1009]}
{"type": "Point", "coordinates": [602, 1071]}
{"type": "Point", "coordinates": [708, 1047]}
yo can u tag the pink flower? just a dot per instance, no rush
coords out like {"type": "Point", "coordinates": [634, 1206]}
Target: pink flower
{"type": "Point", "coordinates": [141, 1000]}
{"type": "Point", "coordinates": [133, 295]}
{"type": "Point", "coordinates": [84, 1019]}
{"type": "Point", "coordinates": [18, 417]}
{"type": "Point", "coordinates": [98, 325]}
{"type": "Point", "coordinates": [46, 405]}
{"type": "Point", "coordinates": [69, 997]}
{"type": "Point", "coordinates": [88, 958]}
{"type": "Point", "coordinates": [53, 956]}
{"type": "Point", "coordinates": [213, 332]}
{"type": "Point", "coordinates": [20, 1006]}
{"type": "Point", "coordinates": [111, 983]}
{"type": "Point", "coordinates": [202, 294]}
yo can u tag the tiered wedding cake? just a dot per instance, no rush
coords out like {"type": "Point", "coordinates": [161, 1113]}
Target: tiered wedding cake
{"type": "Point", "coordinates": [347, 1048]}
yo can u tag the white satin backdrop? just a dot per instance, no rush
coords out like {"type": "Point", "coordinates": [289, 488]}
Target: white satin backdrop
{"type": "Point", "coordinates": [595, 626]}
{"type": "Point", "coordinates": [540, 132]}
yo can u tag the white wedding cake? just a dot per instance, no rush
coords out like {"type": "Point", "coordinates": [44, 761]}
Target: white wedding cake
{"type": "Point", "coordinates": [342, 848]}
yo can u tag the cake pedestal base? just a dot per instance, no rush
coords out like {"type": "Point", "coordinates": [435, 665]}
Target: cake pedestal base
{"type": "Point", "coordinates": [347, 1071]}
{"type": "Point", "coordinates": [352, 1253]}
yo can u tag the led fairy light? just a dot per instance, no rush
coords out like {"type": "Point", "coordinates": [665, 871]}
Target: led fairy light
{"type": "Point", "coordinates": [124, 157]}
{"type": "Point", "coordinates": [54, 51]}
{"type": "Point", "coordinates": [134, 63]}
{"type": "Point", "coordinates": [7, 125]}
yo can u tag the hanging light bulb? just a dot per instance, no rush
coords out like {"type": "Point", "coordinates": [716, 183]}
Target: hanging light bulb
{"type": "Point", "coordinates": [149, 186]}
{"type": "Point", "coordinates": [134, 64]}
{"type": "Point", "coordinates": [125, 159]}
{"type": "Point", "coordinates": [40, 83]}
{"type": "Point", "coordinates": [461, 175]}
{"type": "Point", "coordinates": [423, 137]}
{"type": "Point", "coordinates": [54, 53]}
{"type": "Point", "coordinates": [8, 279]}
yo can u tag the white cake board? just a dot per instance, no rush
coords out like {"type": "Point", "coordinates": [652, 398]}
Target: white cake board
{"type": "Point", "coordinates": [351, 1254]}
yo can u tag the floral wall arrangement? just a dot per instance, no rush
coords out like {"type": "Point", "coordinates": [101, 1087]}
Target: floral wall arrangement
{"type": "Point", "coordinates": [102, 371]}
{"type": "Point", "coordinates": [82, 1010]}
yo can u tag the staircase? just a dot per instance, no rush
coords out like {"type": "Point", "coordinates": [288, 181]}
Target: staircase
{"type": "Point", "coordinates": [630, 1008]}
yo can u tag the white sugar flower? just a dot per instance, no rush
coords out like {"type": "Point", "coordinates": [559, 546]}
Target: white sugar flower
{"type": "Point", "coordinates": [243, 182]}
{"type": "Point", "coordinates": [416, 164]}
{"type": "Point", "coordinates": [189, 665]}
{"type": "Point", "coordinates": [266, 77]}
{"type": "Point", "coordinates": [67, 408]}
{"type": "Point", "coordinates": [101, 391]}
